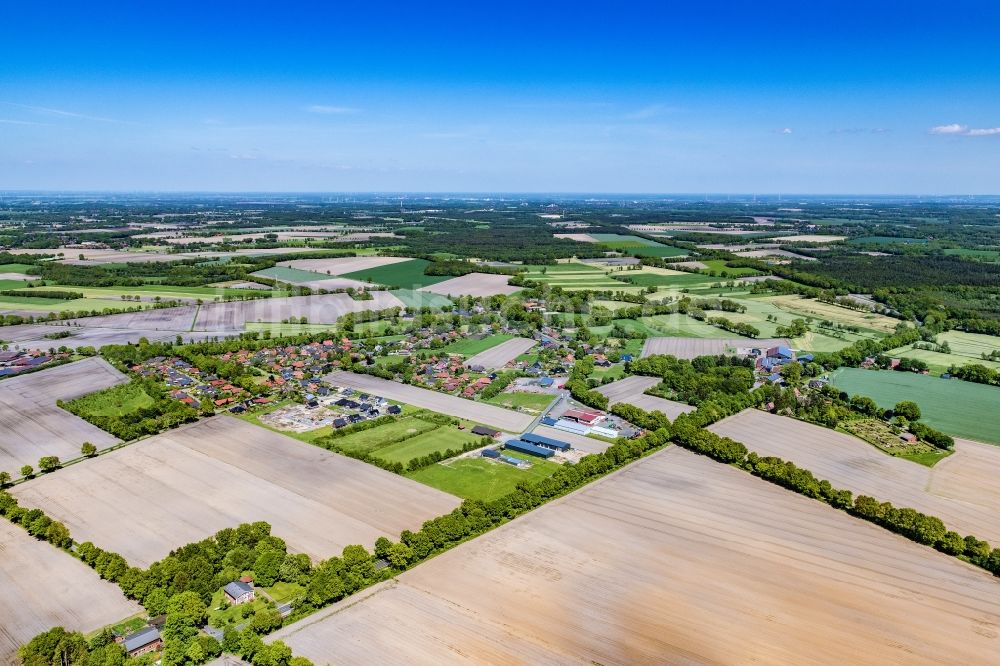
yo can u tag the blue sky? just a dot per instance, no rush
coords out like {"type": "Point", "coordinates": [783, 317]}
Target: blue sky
{"type": "Point", "coordinates": [793, 97]}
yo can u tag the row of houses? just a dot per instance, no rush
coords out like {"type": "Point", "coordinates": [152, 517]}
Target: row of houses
{"type": "Point", "coordinates": [16, 362]}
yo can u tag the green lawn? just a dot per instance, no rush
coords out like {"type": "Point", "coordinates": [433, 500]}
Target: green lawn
{"type": "Point", "coordinates": [533, 401]}
{"type": "Point", "coordinates": [961, 409]}
{"type": "Point", "coordinates": [421, 299]}
{"type": "Point", "coordinates": [279, 329]}
{"type": "Point", "coordinates": [15, 268]}
{"type": "Point", "coordinates": [374, 439]}
{"type": "Point", "coordinates": [283, 592]}
{"type": "Point", "coordinates": [13, 284]}
{"type": "Point", "coordinates": [680, 280]}
{"type": "Point", "coordinates": [231, 615]}
{"type": "Point", "coordinates": [886, 240]}
{"type": "Point", "coordinates": [440, 439]}
{"type": "Point", "coordinates": [719, 266]}
{"type": "Point", "coordinates": [640, 247]}
{"type": "Point", "coordinates": [480, 479]}
{"type": "Point", "coordinates": [683, 326]}
{"type": "Point", "coordinates": [404, 275]}
{"type": "Point", "coordinates": [992, 256]}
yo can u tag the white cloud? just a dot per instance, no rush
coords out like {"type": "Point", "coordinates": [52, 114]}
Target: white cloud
{"type": "Point", "coordinates": [786, 130]}
{"type": "Point", "coordinates": [647, 112]}
{"type": "Point", "coordinates": [65, 114]}
{"type": "Point", "coordinates": [964, 130]}
{"type": "Point", "coordinates": [954, 128]}
{"type": "Point", "coordinates": [330, 110]}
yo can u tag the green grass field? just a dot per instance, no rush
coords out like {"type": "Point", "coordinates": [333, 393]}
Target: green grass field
{"type": "Point", "coordinates": [373, 439]}
{"type": "Point", "coordinates": [480, 479]}
{"type": "Point", "coordinates": [53, 305]}
{"type": "Point", "coordinates": [164, 292]}
{"type": "Point", "coordinates": [13, 284]}
{"type": "Point", "coordinates": [719, 266]}
{"type": "Point", "coordinates": [992, 256]}
{"type": "Point", "coordinates": [676, 279]}
{"type": "Point", "coordinates": [118, 400]}
{"type": "Point", "coordinates": [961, 409]}
{"type": "Point", "coordinates": [440, 439]}
{"type": "Point", "coordinates": [533, 401]}
{"type": "Point", "coordinates": [470, 347]}
{"type": "Point", "coordinates": [636, 246]}
{"type": "Point", "coordinates": [421, 299]}
{"type": "Point", "coordinates": [886, 240]}
{"type": "Point", "coordinates": [279, 329]}
{"type": "Point", "coordinates": [683, 326]}
{"type": "Point", "coordinates": [15, 268]}
{"type": "Point", "coordinates": [405, 275]}
{"type": "Point", "coordinates": [966, 348]}
{"type": "Point", "coordinates": [292, 275]}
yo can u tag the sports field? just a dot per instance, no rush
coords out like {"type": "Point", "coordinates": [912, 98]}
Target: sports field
{"type": "Point", "coordinates": [186, 484]}
{"type": "Point", "coordinates": [44, 587]}
{"type": "Point", "coordinates": [32, 426]}
{"type": "Point", "coordinates": [853, 464]}
{"type": "Point", "coordinates": [404, 275]}
{"type": "Point", "coordinates": [674, 559]}
{"type": "Point", "coordinates": [961, 409]}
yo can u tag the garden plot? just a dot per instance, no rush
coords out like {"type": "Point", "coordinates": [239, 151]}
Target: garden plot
{"type": "Point", "coordinates": [31, 426]}
{"type": "Point", "coordinates": [474, 284]}
{"type": "Point", "coordinates": [44, 587]}
{"type": "Point", "coordinates": [609, 575]}
{"type": "Point", "coordinates": [694, 347]}
{"type": "Point", "coordinates": [498, 417]}
{"type": "Point", "coordinates": [186, 484]}
{"type": "Point", "coordinates": [850, 463]}
{"type": "Point", "coordinates": [341, 265]}
{"type": "Point", "coordinates": [502, 354]}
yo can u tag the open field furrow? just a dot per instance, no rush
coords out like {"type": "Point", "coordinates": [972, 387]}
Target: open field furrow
{"type": "Point", "coordinates": [32, 426]}
{"type": "Point", "coordinates": [850, 463]}
{"type": "Point", "coordinates": [505, 419]}
{"type": "Point", "coordinates": [186, 484]}
{"type": "Point", "coordinates": [44, 587]}
{"type": "Point", "coordinates": [675, 559]}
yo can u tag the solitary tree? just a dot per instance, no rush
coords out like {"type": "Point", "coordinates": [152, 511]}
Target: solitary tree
{"type": "Point", "coordinates": [4, 479]}
{"type": "Point", "coordinates": [27, 471]}
{"type": "Point", "coordinates": [88, 449]}
{"type": "Point", "coordinates": [48, 463]}
{"type": "Point", "coordinates": [908, 410]}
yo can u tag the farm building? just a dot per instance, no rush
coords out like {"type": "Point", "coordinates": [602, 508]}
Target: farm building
{"type": "Point", "coordinates": [548, 421]}
{"type": "Point", "coordinates": [491, 453]}
{"type": "Point", "coordinates": [547, 442]}
{"type": "Point", "coordinates": [484, 431]}
{"type": "Point", "coordinates": [605, 432]}
{"type": "Point", "coordinates": [529, 448]}
{"type": "Point", "coordinates": [238, 592]}
{"type": "Point", "coordinates": [584, 416]}
{"type": "Point", "coordinates": [571, 426]}
{"type": "Point", "coordinates": [142, 641]}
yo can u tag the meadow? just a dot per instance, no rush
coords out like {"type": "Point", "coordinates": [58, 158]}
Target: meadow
{"type": "Point", "coordinates": [404, 275]}
{"type": "Point", "coordinates": [416, 299]}
{"type": "Point", "coordinates": [479, 479]}
{"type": "Point", "coordinates": [532, 401]}
{"type": "Point", "coordinates": [965, 349]}
{"type": "Point", "coordinates": [470, 347]}
{"type": "Point", "coordinates": [961, 409]}
{"type": "Point", "coordinates": [640, 247]}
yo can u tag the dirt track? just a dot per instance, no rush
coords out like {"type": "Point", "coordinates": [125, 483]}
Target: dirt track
{"type": "Point", "coordinates": [505, 419]}
{"type": "Point", "coordinates": [963, 491]}
{"type": "Point", "coordinates": [44, 587]}
{"type": "Point", "coordinates": [32, 426]}
{"type": "Point", "coordinates": [676, 559]}
{"type": "Point", "coordinates": [184, 485]}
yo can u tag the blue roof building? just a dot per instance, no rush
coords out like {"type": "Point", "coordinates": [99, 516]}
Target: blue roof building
{"type": "Point", "coordinates": [548, 421]}
{"type": "Point", "coordinates": [529, 448]}
{"type": "Point", "coordinates": [545, 381]}
{"type": "Point", "coordinates": [547, 442]}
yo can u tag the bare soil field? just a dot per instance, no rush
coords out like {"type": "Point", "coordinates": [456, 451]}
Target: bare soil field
{"type": "Point", "coordinates": [341, 265]}
{"type": "Point", "coordinates": [473, 284]}
{"type": "Point", "coordinates": [691, 264]}
{"type": "Point", "coordinates": [810, 238]}
{"type": "Point", "coordinates": [624, 389]}
{"type": "Point", "coordinates": [850, 463]}
{"type": "Point", "coordinates": [44, 587]}
{"type": "Point", "coordinates": [694, 347]}
{"type": "Point", "coordinates": [187, 484]}
{"type": "Point", "coordinates": [31, 426]}
{"type": "Point", "coordinates": [969, 475]}
{"type": "Point", "coordinates": [675, 559]}
{"type": "Point", "coordinates": [505, 419]}
{"type": "Point", "coordinates": [318, 309]}
{"type": "Point", "coordinates": [163, 319]}
{"type": "Point", "coordinates": [94, 337]}
{"type": "Point", "coordinates": [670, 408]}
{"type": "Point", "coordinates": [502, 354]}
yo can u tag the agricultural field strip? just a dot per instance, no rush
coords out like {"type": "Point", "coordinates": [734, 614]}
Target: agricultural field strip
{"type": "Point", "coordinates": [44, 587]}
{"type": "Point", "coordinates": [502, 354]}
{"type": "Point", "coordinates": [632, 390]}
{"type": "Point", "coordinates": [498, 417]}
{"type": "Point", "coordinates": [851, 463]}
{"type": "Point", "coordinates": [689, 348]}
{"type": "Point", "coordinates": [32, 426]}
{"type": "Point", "coordinates": [675, 558]}
{"type": "Point", "coordinates": [473, 284]}
{"type": "Point", "coordinates": [186, 484]}
{"type": "Point", "coordinates": [341, 265]}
